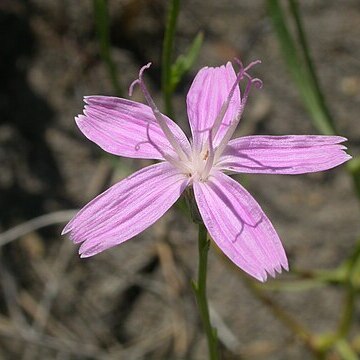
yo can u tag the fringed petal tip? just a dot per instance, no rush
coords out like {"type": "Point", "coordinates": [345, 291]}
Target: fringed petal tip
{"type": "Point", "coordinates": [87, 250]}
{"type": "Point", "coordinates": [88, 99]}
{"type": "Point", "coordinates": [273, 271]}
{"type": "Point", "coordinates": [339, 139]}
{"type": "Point", "coordinates": [66, 229]}
{"type": "Point", "coordinates": [84, 255]}
{"type": "Point", "coordinates": [79, 119]}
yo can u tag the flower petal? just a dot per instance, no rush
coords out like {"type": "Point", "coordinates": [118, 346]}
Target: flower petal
{"type": "Point", "coordinates": [239, 227]}
{"type": "Point", "coordinates": [207, 94]}
{"type": "Point", "coordinates": [126, 209]}
{"type": "Point", "coordinates": [293, 154]}
{"type": "Point", "coordinates": [127, 128]}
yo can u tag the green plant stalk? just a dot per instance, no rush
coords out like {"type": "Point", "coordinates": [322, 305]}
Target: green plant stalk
{"type": "Point", "coordinates": [350, 296]}
{"type": "Point", "coordinates": [300, 73]}
{"type": "Point", "coordinates": [102, 29]}
{"type": "Point", "coordinates": [315, 84]}
{"type": "Point", "coordinates": [200, 293]}
{"type": "Point", "coordinates": [168, 44]}
{"type": "Point", "coordinates": [184, 62]}
{"type": "Point", "coordinates": [345, 350]}
{"type": "Point", "coordinates": [304, 74]}
{"type": "Point", "coordinates": [348, 312]}
{"type": "Point", "coordinates": [354, 170]}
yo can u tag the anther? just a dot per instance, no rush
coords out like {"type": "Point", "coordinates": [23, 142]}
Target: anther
{"type": "Point", "coordinates": [206, 155]}
{"type": "Point", "coordinates": [210, 157]}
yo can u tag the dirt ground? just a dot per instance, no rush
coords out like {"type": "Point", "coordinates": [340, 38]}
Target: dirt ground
{"type": "Point", "coordinates": [134, 301]}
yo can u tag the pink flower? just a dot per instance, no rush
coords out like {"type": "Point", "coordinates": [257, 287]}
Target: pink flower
{"type": "Point", "coordinates": [233, 218]}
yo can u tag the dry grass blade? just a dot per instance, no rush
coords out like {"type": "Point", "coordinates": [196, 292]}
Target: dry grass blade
{"type": "Point", "coordinates": [54, 218]}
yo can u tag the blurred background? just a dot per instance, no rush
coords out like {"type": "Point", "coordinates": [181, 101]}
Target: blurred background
{"type": "Point", "coordinates": [135, 301]}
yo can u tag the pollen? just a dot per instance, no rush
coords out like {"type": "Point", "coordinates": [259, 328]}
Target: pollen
{"type": "Point", "coordinates": [206, 155]}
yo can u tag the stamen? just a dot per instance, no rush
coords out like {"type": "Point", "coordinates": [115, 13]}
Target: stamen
{"type": "Point", "coordinates": [131, 87]}
{"type": "Point", "coordinates": [230, 131]}
{"type": "Point", "coordinates": [211, 156]}
{"type": "Point", "coordinates": [252, 64]}
{"type": "Point", "coordinates": [225, 105]}
{"type": "Point", "coordinates": [246, 92]}
{"type": "Point", "coordinates": [159, 117]}
{"type": "Point", "coordinates": [179, 164]}
{"type": "Point", "coordinates": [257, 83]}
{"type": "Point", "coordinates": [242, 72]}
{"type": "Point", "coordinates": [206, 155]}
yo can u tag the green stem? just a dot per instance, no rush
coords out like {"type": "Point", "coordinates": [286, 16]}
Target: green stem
{"type": "Point", "coordinates": [200, 294]}
{"type": "Point", "coordinates": [168, 43]}
{"type": "Point", "coordinates": [304, 74]}
{"type": "Point", "coordinates": [301, 74]}
{"type": "Point", "coordinates": [347, 316]}
{"type": "Point", "coordinates": [345, 350]}
{"type": "Point", "coordinates": [348, 310]}
{"type": "Point", "coordinates": [102, 29]}
{"type": "Point", "coordinates": [294, 9]}
{"type": "Point", "coordinates": [353, 168]}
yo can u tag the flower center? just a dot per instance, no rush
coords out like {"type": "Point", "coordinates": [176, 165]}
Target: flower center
{"type": "Point", "coordinates": [198, 165]}
{"type": "Point", "coordinates": [203, 162]}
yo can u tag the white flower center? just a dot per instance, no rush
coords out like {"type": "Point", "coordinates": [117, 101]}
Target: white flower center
{"type": "Point", "coordinates": [198, 167]}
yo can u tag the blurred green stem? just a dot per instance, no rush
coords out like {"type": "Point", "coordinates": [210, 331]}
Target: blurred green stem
{"type": "Point", "coordinates": [102, 29]}
{"type": "Point", "coordinates": [350, 295]}
{"type": "Point", "coordinates": [200, 293]}
{"type": "Point", "coordinates": [173, 12]}
{"type": "Point", "coordinates": [302, 70]}
{"type": "Point", "coordinates": [354, 170]}
{"type": "Point", "coordinates": [315, 84]}
{"type": "Point", "coordinates": [345, 350]}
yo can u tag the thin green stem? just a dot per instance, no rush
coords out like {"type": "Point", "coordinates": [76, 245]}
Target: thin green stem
{"type": "Point", "coordinates": [303, 71]}
{"type": "Point", "coordinates": [347, 316]}
{"type": "Point", "coordinates": [348, 312]}
{"type": "Point", "coordinates": [294, 9]}
{"type": "Point", "coordinates": [345, 350]}
{"type": "Point", "coordinates": [299, 71]}
{"type": "Point", "coordinates": [200, 293]}
{"type": "Point", "coordinates": [102, 29]}
{"type": "Point", "coordinates": [168, 43]}
{"type": "Point", "coordinates": [351, 266]}
{"type": "Point", "coordinates": [353, 168]}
